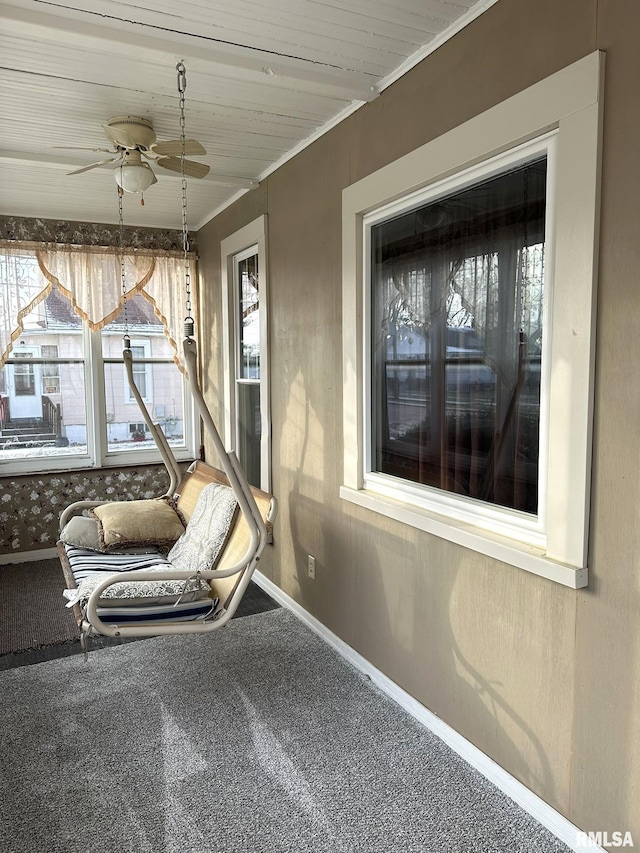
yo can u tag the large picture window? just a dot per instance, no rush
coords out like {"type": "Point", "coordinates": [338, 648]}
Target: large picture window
{"type": "Point", "coordinates": [469, 282]}
{"type": "Point", "coordinates": [456, 339]}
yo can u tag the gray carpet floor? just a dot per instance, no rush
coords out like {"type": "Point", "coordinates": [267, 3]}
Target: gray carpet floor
{"type": "Point", "coordinates": [36, 626]}
{"type": "Point", "coordinates": [32, 611]}
{"type": "Point", "coordinates": [258, 737]}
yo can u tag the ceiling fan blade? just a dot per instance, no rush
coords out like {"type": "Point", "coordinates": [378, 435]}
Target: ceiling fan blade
{"type": "Point", "coordinates": [95, 150]}
{"type": "Point", "coordinates": [93, 166]}
{"type": "Point", "coordinates": [119, 137]}
{"type": "Point", "coordinates": [191, 168]}
{"type": "Point", "coordinates": [173, 148]}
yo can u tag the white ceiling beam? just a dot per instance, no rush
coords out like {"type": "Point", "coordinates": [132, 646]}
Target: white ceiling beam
{"type": "Point", "coordinates": [221, 59]}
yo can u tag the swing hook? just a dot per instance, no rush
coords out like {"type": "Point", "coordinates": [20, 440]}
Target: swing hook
{"type": "Point", "coordinates": [189, 327]}
{"type": "Point", "coordinates": [182, 77]}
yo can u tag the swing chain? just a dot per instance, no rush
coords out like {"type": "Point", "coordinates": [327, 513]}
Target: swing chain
{"type": "Point", "coordinates": [126, 340]}
{"type": "Point", "coordinates": [182, 85]}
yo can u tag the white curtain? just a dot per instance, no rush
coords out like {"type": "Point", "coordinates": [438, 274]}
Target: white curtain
{"type": "Point", "coordinates": [91, 279]}
{"type": "Point", "coordinates": [497, 293]}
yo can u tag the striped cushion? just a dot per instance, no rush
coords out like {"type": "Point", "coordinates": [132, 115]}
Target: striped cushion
{"type": "Point", "coordinates": [160, 600]}
{"type": "Point", "coordinates": [184, 612]}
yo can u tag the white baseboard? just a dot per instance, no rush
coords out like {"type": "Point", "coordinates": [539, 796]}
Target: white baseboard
{"type": "Point", "coordinates": [533, 805]}
{"type": "Point", "coordinates": [28, 556]}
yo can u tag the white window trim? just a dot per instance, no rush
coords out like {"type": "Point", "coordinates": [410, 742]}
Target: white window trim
{"type": "Point", "coordinates": [569, 101]}
{"type": "Point", "coordinates": [252, 235]}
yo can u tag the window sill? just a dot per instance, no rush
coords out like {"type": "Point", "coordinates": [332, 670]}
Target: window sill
{"type": "Point", "coordinates": [83, 464]}
{"type": "Point", "coordinates": [509, 551]}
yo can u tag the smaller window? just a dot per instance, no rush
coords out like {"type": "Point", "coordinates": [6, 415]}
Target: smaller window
{"type": "Point", "coordinates": [247, 422]}
{"type": "Point", "coordinates": [50, 372]}
{"type": "Point", "coordinates": [140, 373]}
{"type": "Point", "coordinates": [247, 309]}
{"type": "Point", "coordinates": [63, 396]}
{"type": "Point", "coordinates": [24, 378]}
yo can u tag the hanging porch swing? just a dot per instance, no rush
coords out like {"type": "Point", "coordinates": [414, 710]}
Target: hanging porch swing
{"type": "Point", "coordinates": [179, 563]}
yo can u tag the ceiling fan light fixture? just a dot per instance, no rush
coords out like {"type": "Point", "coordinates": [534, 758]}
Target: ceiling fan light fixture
{"type": "Point", "coordinates": [135, 177]}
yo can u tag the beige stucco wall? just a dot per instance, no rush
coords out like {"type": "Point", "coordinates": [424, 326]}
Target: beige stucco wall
{"type": "Point", "coordinates": [542, 678]}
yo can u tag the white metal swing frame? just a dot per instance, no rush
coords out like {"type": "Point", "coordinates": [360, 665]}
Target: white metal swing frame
{"type": "Point", "coordinates": [253, 517]}
{"type": "Point", "coordinates": [242, 490]}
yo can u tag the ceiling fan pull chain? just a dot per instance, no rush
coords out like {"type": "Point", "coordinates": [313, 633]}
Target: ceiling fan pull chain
{"type": "Point", "coordinates": [189, 323]}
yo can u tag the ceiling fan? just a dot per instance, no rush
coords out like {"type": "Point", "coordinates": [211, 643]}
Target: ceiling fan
{"type": "Point", "coordinates": [134, 138]}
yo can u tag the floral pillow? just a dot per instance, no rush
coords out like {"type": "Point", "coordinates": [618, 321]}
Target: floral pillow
{"type": "Point", "coordinates": [201, 544]}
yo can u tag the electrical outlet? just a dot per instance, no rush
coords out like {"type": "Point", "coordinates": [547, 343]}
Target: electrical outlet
{"type": "Point", "coordinates": [311, 566]}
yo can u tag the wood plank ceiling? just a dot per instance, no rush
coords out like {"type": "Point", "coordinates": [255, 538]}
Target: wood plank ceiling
{"type": "Point", "coordinates": [264, 78]}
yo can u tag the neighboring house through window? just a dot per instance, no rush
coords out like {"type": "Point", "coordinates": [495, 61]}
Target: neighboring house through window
{"type": "Point", "coordinates": [64, 396]}
{"type": "Point", "coordinates": [141, 371]}
{"type": "Point", "coordinates": [50, 371]}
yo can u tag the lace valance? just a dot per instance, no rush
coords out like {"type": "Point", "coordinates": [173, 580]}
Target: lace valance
{"type": "Point", "coordinates": [91, 280]}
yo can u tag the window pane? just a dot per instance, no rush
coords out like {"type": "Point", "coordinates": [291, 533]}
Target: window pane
{"type": "Point", "coordinates": [139, 371]}
{"type": "Point", "coordinates": [42, 404]}
{"type": "Point", "coordinates": [249, 334]}
{"type": "Point", "coordinates": [24, 378]}
{"type": "Point", "coordinates": [160, 385]}
{"type": "Point", "coordinates": [249, 430]}
{"type": "Point", "coordinates": [43, 424]}
{"type": "Point", "coordinates": [457, 340]}
{"type": "Point", "coordinates": [125, 428]}
{"type": "Point", "coordinates": [50, 372]}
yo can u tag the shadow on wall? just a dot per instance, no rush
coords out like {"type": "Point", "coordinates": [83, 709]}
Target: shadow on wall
{"type": "Point", "coordinates": [504, 707]}
{"type": "Point", "coordinates": [314, 528]}
{"type": "Point", "coordinates": [400, 608]}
